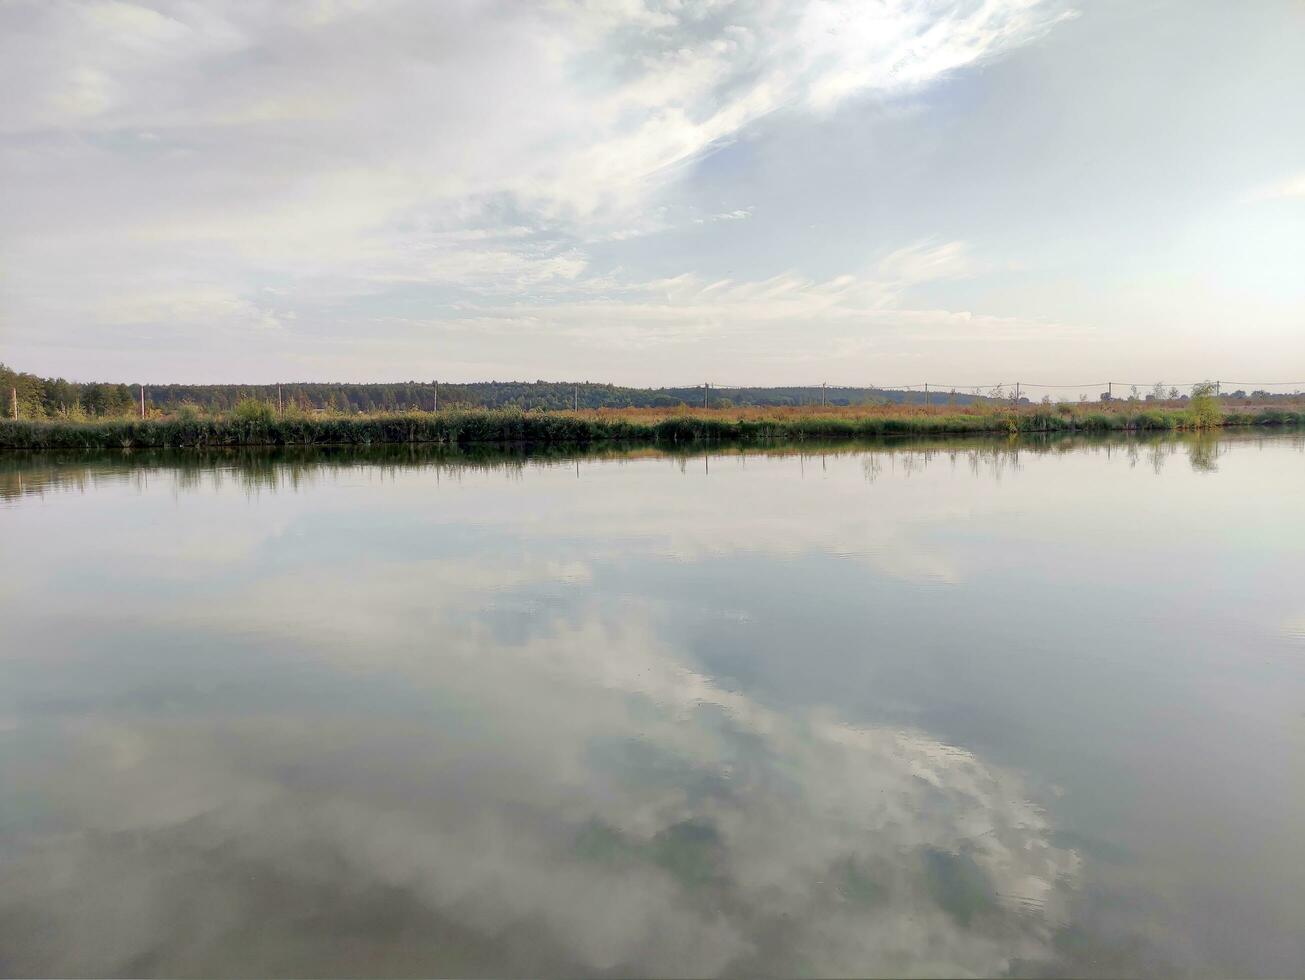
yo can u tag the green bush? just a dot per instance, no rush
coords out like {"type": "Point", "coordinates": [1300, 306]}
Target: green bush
{"type": "Point", "coordinates": [1203, 409]}
{"type": "Point", "coordinates": [253, 410]}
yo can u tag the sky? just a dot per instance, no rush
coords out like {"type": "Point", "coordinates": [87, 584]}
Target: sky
{"type": "Point", "coordinates": [653, 192]}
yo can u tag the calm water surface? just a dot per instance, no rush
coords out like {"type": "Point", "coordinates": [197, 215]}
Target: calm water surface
{"type": "Point", "coordinates": [919, 709]}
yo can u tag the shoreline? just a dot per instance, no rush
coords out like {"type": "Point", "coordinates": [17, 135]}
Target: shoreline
{"type": "Point", "coordinates": [462, 428]}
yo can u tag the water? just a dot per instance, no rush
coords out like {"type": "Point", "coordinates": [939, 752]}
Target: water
{"type": "Point", "coordinates": [916, 709]}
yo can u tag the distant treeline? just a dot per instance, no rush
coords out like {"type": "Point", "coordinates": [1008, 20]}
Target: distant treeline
{"type": "Point", "coordinates": [55, 398]}
{"type": "Point", "coordinates": [52, 398]}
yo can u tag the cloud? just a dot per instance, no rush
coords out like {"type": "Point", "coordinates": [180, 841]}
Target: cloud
{"type": "Point", "coordinates": [332, 148]}
{"type": "Point", "coordinates": [738, 214]}
{"type": "Point", "coordinates": [184, 304]}
{"type": "Point", "coordinates": [412, 92]}
{"type": "Point", "coordinates": [925, 262]}
{"type": "Point", "coordinates": [781, 314]}
{"type": "Point", "coordinates": [512, 296]}
{"type": "Point", "coordinates": [1292, 187]}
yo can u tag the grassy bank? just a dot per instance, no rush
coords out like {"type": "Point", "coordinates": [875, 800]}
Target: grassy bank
{"type": "Point", "coordinates": [469, 428]}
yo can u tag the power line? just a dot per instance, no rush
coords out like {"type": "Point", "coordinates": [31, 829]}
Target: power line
{"type": "Point", "coordinates": [934, 387]}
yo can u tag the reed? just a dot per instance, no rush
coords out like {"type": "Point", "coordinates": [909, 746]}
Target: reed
{"type": "Point", "coordinates": [461, 428]}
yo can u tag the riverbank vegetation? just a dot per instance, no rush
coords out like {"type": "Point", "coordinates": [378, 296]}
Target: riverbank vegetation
{"type": "Point", "coordinates": [254, 423]}
{"type": "Point", "coordinates": [40, 398]}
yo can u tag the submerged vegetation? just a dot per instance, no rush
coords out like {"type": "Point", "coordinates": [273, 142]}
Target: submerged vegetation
{"type": "Point", "coordinates": [257, 423]}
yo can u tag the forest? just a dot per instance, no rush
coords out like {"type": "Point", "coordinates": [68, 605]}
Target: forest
{"type": "Point", "coordinates": [55, 398]}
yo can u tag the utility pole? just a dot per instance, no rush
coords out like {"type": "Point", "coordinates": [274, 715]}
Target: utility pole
{"type": "Point", "coordinates": [1110, 390]}
{"type": "Point", "coordinates": [824, 398]}
{"type": "Point", "coordinates": [926, 394]}
{"type": "Point", "coordinates": [576, 397]}
{"type": "Point", "coordinates": [142, 401]}
{"type": "Point", "coordinates": [1017, 392]}
{"type": "Point", "coordinates": [435, 389]}
{"type": "Point", "coordinates": [706, 388]}
{"type": "Point", "coordinates": [13, 400]}
{"type": "Point", "coordinates": [278, 399]}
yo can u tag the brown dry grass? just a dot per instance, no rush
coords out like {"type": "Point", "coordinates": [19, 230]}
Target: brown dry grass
{"type": "Point", "coordinates": [903, 411]}
{"type": "Point", "coordinates": [762, 412]}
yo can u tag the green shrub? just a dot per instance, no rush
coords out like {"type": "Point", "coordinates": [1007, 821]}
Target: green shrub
{"type": "Point", "coordinates": [253, 410]}
{"type": "Point", "coordinates": [1203, 410]}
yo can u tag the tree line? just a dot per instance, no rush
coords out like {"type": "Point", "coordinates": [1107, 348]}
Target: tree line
{"type": "Point", "coordinates": [49, 398]}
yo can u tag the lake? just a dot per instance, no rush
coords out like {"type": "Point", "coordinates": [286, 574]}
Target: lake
{"type": "Point", "coordinates": [940, 708]}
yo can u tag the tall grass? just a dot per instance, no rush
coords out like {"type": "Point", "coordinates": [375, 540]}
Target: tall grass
{"type": "Point", "coordinates": [259, 426]}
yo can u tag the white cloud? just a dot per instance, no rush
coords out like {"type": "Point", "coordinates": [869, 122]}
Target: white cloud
{"type": "Point", "coordinates": [333, 148]}
{"type": "Point", "coordinates": [184, 304]}
{"type": "Point", "coordinates": [924, 262]}
{"type": "Point", "coordinates": [1288, 188]}
{"type": "Point", "coordinates": [390, 162]}
{"type": "Point", "coordinates": [738, 214]}
{"type": "Point", "coordinates": [786, 312]}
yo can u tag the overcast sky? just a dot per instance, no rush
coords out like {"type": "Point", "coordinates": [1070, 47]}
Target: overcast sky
{"type": "Point", "coordinates": [655, 192]}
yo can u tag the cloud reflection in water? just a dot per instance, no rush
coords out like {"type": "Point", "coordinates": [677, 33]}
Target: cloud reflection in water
{"type": "Point", "coordinates": [578, 800]}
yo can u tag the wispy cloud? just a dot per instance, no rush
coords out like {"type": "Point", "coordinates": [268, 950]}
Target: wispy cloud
{"type": "Point", "coordinates": [738, 214]}
{"type": "Point", "coordinates": [332, 149]}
